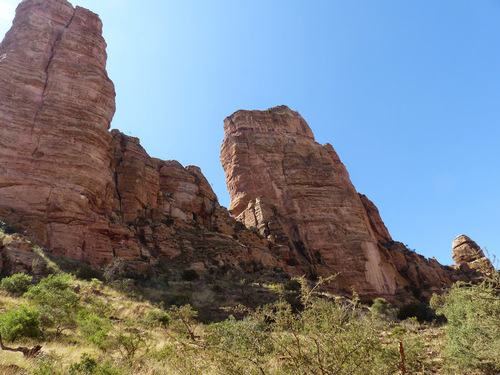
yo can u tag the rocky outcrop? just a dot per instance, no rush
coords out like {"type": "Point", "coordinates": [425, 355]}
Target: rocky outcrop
{"type": "Point", "coordinates": [468, 255]}
{"type": "Point", "coordinates": [312, 206]}
{"type": "Point", "coordinates": [379, 230]}
{"type": "Point", "coordinates": [88, 194]}
{"type": "Point", "coordinates": [298, 194]}
{"type": "Point", "coordinates": [79, 190]}
{"type": "Point", "coordinates": [56, 105]}
{"type": "Point", "coordinates": [171, 214]}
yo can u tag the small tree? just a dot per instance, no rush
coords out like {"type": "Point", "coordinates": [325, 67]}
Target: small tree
{"type": "Point", "coordinates": [94, 329]}
{"type": "Point", "coordinates": [57, 303]}
{"type": "Point", "coordinates": [20, 323]}
{"type": "Point", "coordinates": [380, 306]}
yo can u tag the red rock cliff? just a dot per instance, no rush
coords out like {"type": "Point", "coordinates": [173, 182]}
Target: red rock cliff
{"type": "Point", "coordinates": [89, 194]}
{"type": "Point", "coordinates": [272, 155]}
{"type": "Point", "coordinates": [56, 104]}
{"type": "Point", "coordinates": [79, 190]}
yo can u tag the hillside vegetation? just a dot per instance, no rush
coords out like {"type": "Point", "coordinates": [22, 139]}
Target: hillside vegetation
{"type": "Point", "coordinates": [95, 327]}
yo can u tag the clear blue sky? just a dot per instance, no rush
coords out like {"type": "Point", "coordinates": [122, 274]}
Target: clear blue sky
{"type": "Point", "coordinates": [408, 93]}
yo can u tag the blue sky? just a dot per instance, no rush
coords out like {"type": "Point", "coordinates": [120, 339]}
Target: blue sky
{"type": "Point", "coordinates": [408, 93]}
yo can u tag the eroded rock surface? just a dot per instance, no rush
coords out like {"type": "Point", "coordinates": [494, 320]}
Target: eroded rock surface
{"type": "Point", "coordinates": [311, 205]}
{"type": "Point", "coordinates": [468, 255]}
{"type": "Point", "coordinates": [79, 190]}
{"type": "Point", "coordinates": [56, 105]}
{"type": "Point", "coordinates": [298, 194]}
{"type": "Point", "coordinates": [85, 193]}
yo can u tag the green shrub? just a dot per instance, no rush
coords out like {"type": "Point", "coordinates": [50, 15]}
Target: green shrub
{"type": "Point", "coordinates": [131, 342]}
{"type": "Point", "coordinates": [178, 299]}
{"type": "Point", "coordinates": [86, 366]}
{"type": "Point", "coordinates": [90, 366]}
{"type": "Point", "coordinates": [94, 329]}
{"type": "Point", "coordinates": [380, 306]}
{"type": "Point", "coordinates": [46, 364]}
{"type": "Point", "coordinates": [157, 318]}
{"type": "Point", "coordinates": [293, 286]}
{"type": "Point", "coordinates": [20, 323]}
{"type": "Point", "coordinates": [57, 303]}
{"type": "Point", "coordinates": [473, 329]}
{"type": "Point", "coordinates": [398, 331]}
{"type": "Point", "coordinates": [9, 229]}
{"type": "Point", "coordinates": [87, 272]}
{"type": "Point", "coordinates": [183, 321]}
{"type": "Point", "coordinates": [421, 311]}
{"type": "Point", "coordinates": [325, 337]}
{"type": "Point", "coordinates": [190, 275]}
{"type": "Point", "coordinates": [17, 284]}
{"type": "Point", "coordinates": [55, 282]}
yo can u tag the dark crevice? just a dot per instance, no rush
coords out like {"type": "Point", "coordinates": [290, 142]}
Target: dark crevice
{"type": "Point", "coordinates": [118, 161]}
{"type": "Point", "coordinates": [116, 184]}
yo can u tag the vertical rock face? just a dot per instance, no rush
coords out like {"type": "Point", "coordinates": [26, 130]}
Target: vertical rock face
{"type": "Point", "coordinates": [271, 156]}
{"type": "Point", "coordinates": [56, 104]}
{"type": "Point", "coordinates": [89, 194]}
{"type": "Point", "coordinates": [79, 190]}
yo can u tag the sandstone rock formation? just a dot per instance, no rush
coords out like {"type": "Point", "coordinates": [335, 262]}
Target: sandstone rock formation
{"type": "Point", "coordinates": [88, 194]}
{"type": "Point", "coordinates": [79, 190]}
{"type": "Point", "coordinates": [468, 255]}
{"type": "Point", "coordinates": [271, 156]}
{"type": "Point", "coordinates": [298, 194]}
{"type": "Point", "coordinates": [56, 105]}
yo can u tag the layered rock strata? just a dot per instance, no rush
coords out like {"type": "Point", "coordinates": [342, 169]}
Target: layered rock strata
{"type": "Point", "coordinates": [271, 156]}
{"type": "Point", "coordinates": [56, 105]}
{"type": "Point", "coordinates": [88, 194]}
{"type": "Point", "coordinates": [468, 255]}
{"type": "Point", "coordinates": [79, 190]}
{"type": "Point", "coordinates": [298, 194]}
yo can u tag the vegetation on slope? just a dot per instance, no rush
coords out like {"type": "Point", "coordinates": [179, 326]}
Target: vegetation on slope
{"type": "Point", "coordinates": [95, 327]}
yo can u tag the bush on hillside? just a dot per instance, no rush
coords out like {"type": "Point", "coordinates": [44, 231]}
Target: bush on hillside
{"type": "Point", "coordinates": [57, 303]}
{"type": "Point", "coordinates": [20, 323]}
{"type": "Point", "coordinates": [325, 337]}
{"type": "Point", "coordinates": [190, 275]}
{"type": "Point", "coordinates": [156, 318]}
{"type": "Point", "coordinates": [380, 306]}
{"type": "Point", "coordinates": [90, 366]}
{"type": "Point", "coordinates": [473, 329]}
{"type": "Point", "coordinates": [94, 329]}
{"type": "Point", "coordinates": [421, 311]}
{"type": "Point", "coordinates": [17, 284]}
{"type": "Point", "coordinates": [87, 272]}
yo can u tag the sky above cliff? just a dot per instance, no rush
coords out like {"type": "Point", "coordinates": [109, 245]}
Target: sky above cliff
{"type": "Point", "coordinates": [408, 93]}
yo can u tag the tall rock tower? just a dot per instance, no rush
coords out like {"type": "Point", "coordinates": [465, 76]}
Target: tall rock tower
{"type": "Point", "coordinates": [298, 193]}
{"type": "Point", "coordinates": [56, 105]}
